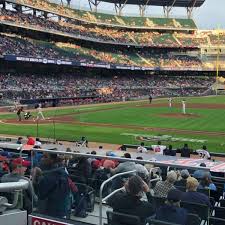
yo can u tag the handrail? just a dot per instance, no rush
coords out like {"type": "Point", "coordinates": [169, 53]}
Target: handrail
{"type": "Point", "coordinates": [101, 189]}
{"type": "Point", "coordinates": [83, 152]}
{"type": "Point", "coordinates": [14, 186]}
{"type": "Point", "coordinates": [111, 194]}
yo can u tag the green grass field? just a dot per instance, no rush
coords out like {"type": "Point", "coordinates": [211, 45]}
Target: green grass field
{"type": "Point", "coordinates": [139, 117]}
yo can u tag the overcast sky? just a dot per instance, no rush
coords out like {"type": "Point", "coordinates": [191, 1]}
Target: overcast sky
{"type": "Point", "coordinates": [210, 16]}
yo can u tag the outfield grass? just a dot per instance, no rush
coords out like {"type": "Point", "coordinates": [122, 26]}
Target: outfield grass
{"type": "Point", "coordinates": [130, 114]}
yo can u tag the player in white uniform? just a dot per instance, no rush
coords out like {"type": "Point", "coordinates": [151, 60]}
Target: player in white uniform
{"type": "Point", "coordinates": [170, 102]}
{"type": "Point", "coordinates": [39, 112]}
{"type": "Point", "coordinates": [183, 106]}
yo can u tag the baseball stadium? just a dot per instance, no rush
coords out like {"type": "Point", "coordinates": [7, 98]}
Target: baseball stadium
{"type": "Point", "coordinates": [111, 118]}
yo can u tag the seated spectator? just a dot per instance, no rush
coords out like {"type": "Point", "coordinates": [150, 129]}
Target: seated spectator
{"type": "Point", "coordinates": [163, 187]}
{"type": "Point", "coordinates": [83, 170]}
{"type": "Point", "coordinates": [185, 151]}
{"type": "Point", "coordinates": [142, 149]}
{"type": "Point", "coordinates": [129, 202]}
{"type": "Point", "coordinates": [19, 140]}
{"type": "Point", "coordinates": [18, 169]}
{"type": "Point", "coordinates": [171, 211]}
{"type": "Point", "coordinates": [192, 195]}
{"type": "Point", "coordinates": [159, 148]}
{"type": "Point", "coordinates": [198, 174]}
{"type": "Point", "coordinates": [203, 153]}
{"type": "Point", "coordinates": [52, 187]}
{"type": "Point", "coordinates": [169, 151]}
{"type": "Point", "coordinates": [142, 170]}
{"type": "Point", "coordinates": [124, 166]}
{"type": "Point", "coordinates": [30, 140]}
{"type": "Point", "coordinates": [206, 182]}
{"type": "Point", "coordinates": [108, 163]}
{"type": "Point", "coordinates": [183, 181]}
{"type": "Point", "coordinates": [37, 143]}
{"type": "Point", "coordinates": [2, 169]}
{"type": "Point", "coordinates": [92, 159]}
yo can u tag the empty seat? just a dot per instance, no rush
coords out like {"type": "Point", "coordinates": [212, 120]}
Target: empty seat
{"type": "Point", "coordinates": [220, 212]}
{"type": "Point", "coordinates": [193, 219]}
{"type": "Point", "coordinates": [216, 221]}
{"type": "Point", "coordinates": [201, 210]}
{"type": "Point", "coordinates": [115, 218]}
{"type": "Point", "coordinates": [159, 222]}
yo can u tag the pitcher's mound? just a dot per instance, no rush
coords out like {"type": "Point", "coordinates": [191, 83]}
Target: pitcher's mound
{"type": "Point", "coordinates": [179, 115]}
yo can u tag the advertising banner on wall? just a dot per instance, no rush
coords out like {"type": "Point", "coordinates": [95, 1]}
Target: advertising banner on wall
{"type": "Point", "coordinates": [36, 220]}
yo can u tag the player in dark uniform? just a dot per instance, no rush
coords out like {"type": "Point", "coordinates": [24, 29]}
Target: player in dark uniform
{"type": "Point", "coordinates": [150, 99]}
{"type": "Point", "coordinates": [19, 111]}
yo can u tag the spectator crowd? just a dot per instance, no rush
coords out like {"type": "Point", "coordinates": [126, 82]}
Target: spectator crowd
{"type": "Point", "coordinates": [43, 86]}
{"type": "Point", "coordinates": [57, 185]}
{"type": "Point", "coordinates": [109, 34]}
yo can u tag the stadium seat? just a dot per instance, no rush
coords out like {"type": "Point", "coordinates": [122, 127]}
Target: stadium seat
{"type": "Point", "coordinates": [216, 221]}
{"type": "Point", "coordinates": [158, 222]}
{"type": "Point", "coordinates": [115, 218]}
{"type": "Point", "coordinates": [201, 210]}
{"type": "Point", "coordinates": [193, 219]}
{"type": "Point", "coordinates": [217, 194]}
{"type": "Point", "coordinates": [222, 202]}
{"type": "Point", "coordinates": [157, 202]}
{"type": "Point", "coordinates": [220, 212]}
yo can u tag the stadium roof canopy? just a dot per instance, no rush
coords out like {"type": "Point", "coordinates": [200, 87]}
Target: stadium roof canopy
{"type": "Point", "coordinates": [173, 3]}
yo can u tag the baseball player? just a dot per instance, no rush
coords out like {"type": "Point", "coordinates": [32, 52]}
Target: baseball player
{"type": "Point", "coordinates": [183, 106]}
{"type": "Point", "coordinates": [39, 112]}
{"type": "Point", "coordinates": [170, 102]}
{"type": "Point", "coordinates": [18, 113]}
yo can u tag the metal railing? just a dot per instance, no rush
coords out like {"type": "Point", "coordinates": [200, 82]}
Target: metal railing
{"type": "Point", "coordinates": [79, 151]}
{"type": "Point", "coordinates": [14, 187]}
{"type": "Point", "coordinates": [102, 187]}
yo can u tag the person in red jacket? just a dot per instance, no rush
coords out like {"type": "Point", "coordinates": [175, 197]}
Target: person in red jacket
{"type": "Point", "coordinates": [30, 140]}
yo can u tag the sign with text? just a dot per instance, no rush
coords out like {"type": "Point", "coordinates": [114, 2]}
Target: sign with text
{"type": "Point", "coordinates": [35, 220]}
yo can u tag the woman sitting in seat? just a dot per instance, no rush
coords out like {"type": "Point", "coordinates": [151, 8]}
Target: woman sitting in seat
{"type": "Point", "coordinates": [129, 201]}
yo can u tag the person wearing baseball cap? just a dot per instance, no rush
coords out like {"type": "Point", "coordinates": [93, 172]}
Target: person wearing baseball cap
{"type": "Point", "coordinates": [18, 169]}
{"type": "Point", "coordinates": [171, 211]}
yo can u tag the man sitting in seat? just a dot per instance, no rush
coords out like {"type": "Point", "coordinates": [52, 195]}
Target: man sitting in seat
{"type": "Point", "coordinates": [171, 211]}
{"type": "Point", "coordinates": [129, 201]}
{"type": "Point", "coordinates": [183, 180]}
{"type": "Point", "coordinates": [192, 195]}
{"type": "Point", "coordinates": [163, 187]}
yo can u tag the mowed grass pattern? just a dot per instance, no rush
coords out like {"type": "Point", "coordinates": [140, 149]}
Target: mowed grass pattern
{"type": "Point", "coordinates": [130, 114]}
{"type": "Point", "coordinates": [208, 120]}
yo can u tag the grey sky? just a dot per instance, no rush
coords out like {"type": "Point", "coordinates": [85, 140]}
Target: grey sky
{"type": "Point", "coordinates": [210, 16]}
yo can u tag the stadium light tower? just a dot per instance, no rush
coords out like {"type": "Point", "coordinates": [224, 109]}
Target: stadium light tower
{"type": "Point", "coordinates": [142, 8]}
{"type": "Point", "coordinates": [190, 8]}
{"type": "Point", "coordinates": [167, 9]}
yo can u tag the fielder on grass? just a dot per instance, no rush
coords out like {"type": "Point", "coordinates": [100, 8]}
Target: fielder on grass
{"type": "Point", "coordinates": [183, 106]}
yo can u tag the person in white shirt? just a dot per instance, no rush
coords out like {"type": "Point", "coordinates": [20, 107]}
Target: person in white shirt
{"type": "Point", "coordinates": [158, 149]}
{"type": "Point", "coordinates": [203, 153]}
{"type": "Point", "coordinates": [142, 149]}
{"type": "Point", "coordinates": [39, 112]}
{"type": "Point", "coordinates": [170, 102]}
{"type": "Point", "coordinates": [37, 143]}
{"type": "Point", "coordinates": [183, 106]}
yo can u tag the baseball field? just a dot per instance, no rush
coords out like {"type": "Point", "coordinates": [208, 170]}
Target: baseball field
{"type": "Point", "coordinates": [131, 122]}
